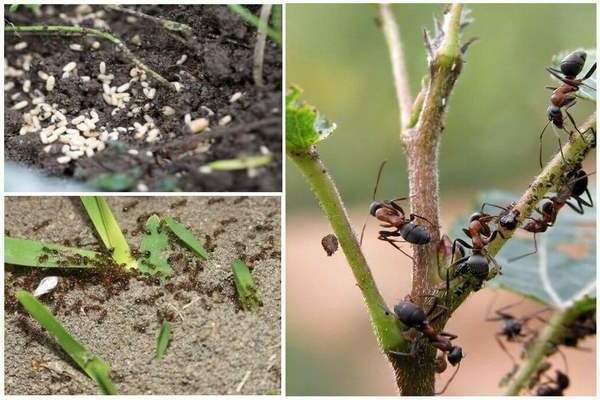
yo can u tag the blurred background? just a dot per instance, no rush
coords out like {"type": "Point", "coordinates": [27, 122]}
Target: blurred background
{"type": "Point", "coordinates": [338, 56]}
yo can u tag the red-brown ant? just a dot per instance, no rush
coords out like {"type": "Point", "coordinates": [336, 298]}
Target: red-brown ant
{"type": "Point", "coordinates": [414, 317]}
{"type": "Point", "coordinates": [393, 216]}
{"type": "Point", "coordinates": [554, 387]}
{"type": "Point", "coordinates": [563, 96]}
{"type": "Point", "coordinates": [476, 264]}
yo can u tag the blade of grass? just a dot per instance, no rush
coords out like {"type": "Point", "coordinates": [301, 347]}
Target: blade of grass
{"type": "Point", "coordinates": [93, 365]}
{"type": "Point", "coordinates": [108, 229]}
{"type": "Point", "coordinates": [163, 340]}
{"type": "Point", "coordinates": [245, 286]}
{"type": "Point", "coordinates": [33, 253]}
{"type": "Point", "coordinates": [240, 163]}
{"type": "Point", "coordinates": [254, 21]}
{"type": "Point", "coordinates": [154, 247]}
{"type": "Point", "coordinates": [186, 237]}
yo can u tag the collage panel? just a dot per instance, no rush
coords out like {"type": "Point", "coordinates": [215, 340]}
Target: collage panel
{"type": "Point", "coordinates": [142, 295]}
{"type": "Point", "coordinates": [147, 98]}
{"type": "Point", "coordinates": [441, 200]}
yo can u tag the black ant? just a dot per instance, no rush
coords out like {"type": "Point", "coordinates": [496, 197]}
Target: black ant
{"type": "Point", "coordinates": [563, 96]}
{"type": "Point", "coordinates": [129, 206]}
{"type": "Point", "coordinates": [178, 204]}
{"type": "Point", "coordinates": [41, 225]}
{"type": "Point", "coordinates": [476, 264]}
{"type": "Point", "coordinates": [393, 216]}
{"type": "Point", "coordinates": [512, 328]}
{"type": "Point", "coordinates": [508, 218]}
{"type": "Point", "coordinates": [554, 387]}
{"type": "Point", "coordinates": [414, 317]}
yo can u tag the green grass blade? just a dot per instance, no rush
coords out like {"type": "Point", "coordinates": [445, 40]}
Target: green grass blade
{"type": "Point", "coordinates": [240, 163]}
{"type": "Point", "coordinates": [33, 253]}
{"type": "Point", "coordinates": [108, 229]}
{"type": "Point", "coordinates": [163, 340]}
{"type": "Point", "coordinates": [186, 237]}
{"type": "Point", "coordinates": [93, 365]}
{"type": "Point", "coordinates": [154, 249]}
{"type": "Point", "coordinates": [245, 286]}
{"type": "Point", "coordinates": [255, 21]}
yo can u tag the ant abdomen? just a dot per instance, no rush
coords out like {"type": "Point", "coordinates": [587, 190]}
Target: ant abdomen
{"type": "Point", "coordinates": [415, 234]}
{"type": "Point", "coordinates": [477, 265]}
{"type": "Point", "coordinates": [573, 63]}
{"type": "Point", "coordinates": [410, 314]}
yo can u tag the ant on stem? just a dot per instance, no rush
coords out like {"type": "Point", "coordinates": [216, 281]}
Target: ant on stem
{"type": "Point", "coordinates": [394, 216]}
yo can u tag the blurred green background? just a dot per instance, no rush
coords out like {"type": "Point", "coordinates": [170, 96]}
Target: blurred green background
{"type": "Point", "coordinates": [339, 57]}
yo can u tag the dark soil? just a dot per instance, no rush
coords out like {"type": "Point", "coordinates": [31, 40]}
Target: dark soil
{"type": "Point", "coordinates": [118, 315]}
{"type": "Point", "coordinates": [219, 64]}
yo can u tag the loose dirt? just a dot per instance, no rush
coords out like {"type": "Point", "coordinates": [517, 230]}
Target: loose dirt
{"type": "Point", "coordinates": [218, 65]}
{"type": "Point", "coordinates": [215, 346]}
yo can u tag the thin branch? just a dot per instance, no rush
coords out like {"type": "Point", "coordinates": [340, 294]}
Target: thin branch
{"type": "Point", "coordinates": [544, 344]}
{"type": "Point", "coordinates": [387, 329]}
{"type": "Point", "coordinates": [261, 41]}
{"type": "Point", "coordinates": [169, 25]}
{"type": "Point", "coordinates": [401, 80]}
{"type": "Point", "coordinates": [77, 30]}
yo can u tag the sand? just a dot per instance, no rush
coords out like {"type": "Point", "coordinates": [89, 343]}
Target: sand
{"type": "Point", "coordinates": [215, 346]}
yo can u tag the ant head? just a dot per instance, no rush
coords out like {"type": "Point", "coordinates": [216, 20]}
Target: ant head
{"type": "Point", "coordinates": [572, 64]}
{"type": "Point", "coordinates": [475, 217]}
{"type": "Point", "coordinates": [374, 207]}
{"type": "Point", "coordinates": [562, 380]}
{"type": "Point", "coordinates": [548, 207]}
{"type": "Point", "coordinates": [410, 314]}
{"type": "Point", "coordinates": [455, 355]}
{"type": "Point", "coordinates": [553, 111]}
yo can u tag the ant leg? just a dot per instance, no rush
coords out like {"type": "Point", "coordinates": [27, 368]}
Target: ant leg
{"type": "Point", "coordinates": [450, 336]}
{"type": "Point", "coordinates": [413, 216]}
{"type": "Point", "coordinates": [577, 208]}
{"type": "Point", "coordinates": [527, 254]}
{"type": "Point", "coordinates": [551, 87]}
{"type": "Point", "coordinates": [460, 243]}
{"type": "Point", "coordinates": [541, 136]}
{"type": "Point", "coordinates": [556, 73]}
{"type": "Point", "coordinates": [504, 349]}
{"type": "Point", "coordinates": [449, 381]}
{"type": "Point", "coordinates": [390, 241]}
{"type": "Point", "coordinates": [591, 202]}
{"type": "Point", "coordinates": [573, 122]}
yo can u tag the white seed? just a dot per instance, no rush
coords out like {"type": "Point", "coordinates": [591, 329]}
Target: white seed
{"type": "Point", "coordinates": [20, 46]}
{"type": "Point", "coordinates": [198, 125]}
{"type": "Point", "coordinates": [72, 131]}
{"type": "Point", "coordinates": [83, 127]}
{"type": "Point", "coordinates": [103, 68]}
{"type": "Point", "coordinates": [42, 75]}
{"type": "Point", "coordinates": [133, 152]}
{"type": "Point", "coordinates": [187, 118]}
{"type": "Point", "coordinates": [178, 86]}
{"type": "Point", "coordinates": [76, 47]}
{"type": "Point", "coordinates": [225, 120]}
{"type": "Point", "coordinates": [168, 111]}
{"type": "Point", "coordinates": [63, 159]}
{"type": "Point", "coordinates": [60, 130]}
{"type": "Point", "coordinates": [36, 101]}
{"type": "Point", "coordinates": [77, 120]}
{"type": "Point", "coordinates": [46, 285]}
{"type": "Point", "coordinates": [20, 105]}
{"type": "Point", "coordinates": [65, 75]}
{"type": "Point", "coordinates": [26, 86]}
{"type": "Point", "coordinates": [208, 110]}
{"type": "Point", "coordinates": [265, 150]}
{"type": "Point", "coordinates": [148, 119]}
{"type": "Point", "coordinates": [96, 45]}
{"type": "Point", "coordinates": [70, 66]}
{"type": "Point", "coordinates": [137, 40]}
{"type": "Point", "coordinates": [48, 148]}
{"type": "Point", "coordinates": [94, 116]}
{"type": "Point", "coordinates": [235, 97]}
{"type": "Point", "coordinates": [149, 92]}
{"type": "Point", "coordinates": [182, 59]}
{"type": "Point", "coordinates": [123, 88]}
{"type": "Point", "coordinates": [89, 152]}
{"type": "Point", "coordinates": [85, 79]}
{"type": "Point", "coordinates": [50, 82]}
{"type": "Point", "coordinates": [8, 86]}
{"type": "Point", "coordinates": [15, 96]}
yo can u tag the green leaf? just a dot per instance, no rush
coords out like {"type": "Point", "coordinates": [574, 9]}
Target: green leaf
{"type": "Point", "coordinates": [108, 230]}
{"type": "Point", "coordinates": [116, 182]}
{"type": "Point", "coordinates": [304, 125]}
{"type": "Point", "coordinates": [33, 253]}
{"type": "Point", "coordinates": [163, 340]}
{"type": "Point", "coordinates": [255, 21]}
{"type": "Point", "coordinates": [154, 249]}
{"type": "Point", "coordinates": [564, 268]}
{"type": "Point", "coordinates": [245, 286]}
{"type": "Point", "coordinates": [584, 92]}
{"type": "Point", "coordinates": [93, 365]}
{"type": "Point", "coordinates": [240, 163]}
{"type": "Point", "coordinates": [186, 237]}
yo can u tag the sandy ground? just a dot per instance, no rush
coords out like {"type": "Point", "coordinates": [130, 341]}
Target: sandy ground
{"type": "Point", "coordinates": [215, 346]}
{"type": "Point", "coordinates": [331, 348]}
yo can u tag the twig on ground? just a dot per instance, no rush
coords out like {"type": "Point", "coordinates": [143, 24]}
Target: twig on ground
{"type": "Point", "coordinates": [261, 40]}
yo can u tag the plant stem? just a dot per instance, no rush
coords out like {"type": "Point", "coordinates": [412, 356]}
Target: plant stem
{"type": "Point", "coordinates": [387, 329]}
{"type": "Point", "coordinates": [261, 41]}
{"type": "Point", "coordinates": [552, 333]}
{"type": "Point", "coordinates": [401, 80]}
{"type": "Point", "coordinates": [421, 144]}
{"type": "Point", "coordinates": [167, 24]}
{"type": "Point", "coordinates": [77, 30]}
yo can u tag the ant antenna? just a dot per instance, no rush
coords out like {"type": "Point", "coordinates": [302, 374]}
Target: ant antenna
{"type": "Point", "coordinates": [541, 135]}
{"type": "Point", "coordinates": [449, 380]}
{"type": "Point", "coordinates": [379, 172]}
